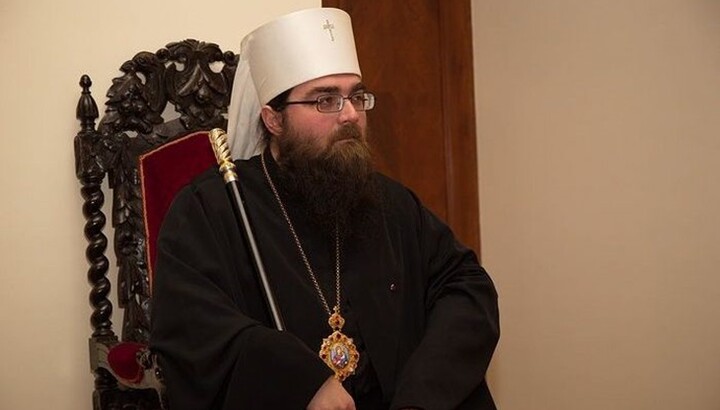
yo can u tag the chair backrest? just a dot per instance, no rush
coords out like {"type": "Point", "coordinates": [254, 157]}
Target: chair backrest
{"type": "Point", "coordinates": [163, 171]}
{"type": "Point", "coordinates": [150, 142]}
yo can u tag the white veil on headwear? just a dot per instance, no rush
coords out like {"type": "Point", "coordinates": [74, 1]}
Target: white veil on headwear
{"type": "Point", "coordinates": [279, 55]}
{"type": "Point", "coordinates": [244, 129]}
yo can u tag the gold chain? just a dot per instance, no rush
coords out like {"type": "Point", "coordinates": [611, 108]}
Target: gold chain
{"type": "Point", "coordinates": [302, 252]}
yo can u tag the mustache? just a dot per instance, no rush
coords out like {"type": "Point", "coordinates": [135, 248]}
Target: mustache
{"type": "Point", "coordinates": [348, 131]}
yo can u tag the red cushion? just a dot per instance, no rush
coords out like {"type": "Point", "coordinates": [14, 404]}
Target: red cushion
{"type": "Point", "coordinates": [123, 360]}
{"type": "Point", "coordinates": [163, 172]}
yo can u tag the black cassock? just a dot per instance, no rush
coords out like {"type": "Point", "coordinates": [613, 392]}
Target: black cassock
{"type": "Point", "coordinates": [420, 308]}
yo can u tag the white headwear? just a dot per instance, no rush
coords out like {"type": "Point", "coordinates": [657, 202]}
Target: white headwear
{"type": "Point", "coordinates": [279, 55]}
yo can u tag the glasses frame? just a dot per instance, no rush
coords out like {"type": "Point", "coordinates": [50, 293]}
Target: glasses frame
{"type": "Point", "coordinates": [366, 94]}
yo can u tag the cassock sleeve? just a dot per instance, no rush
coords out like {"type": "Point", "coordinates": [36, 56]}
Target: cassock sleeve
{"type": "Point", "coordinates": [447, 370]}
{"type": "Point", "coordinates": [213, 354]}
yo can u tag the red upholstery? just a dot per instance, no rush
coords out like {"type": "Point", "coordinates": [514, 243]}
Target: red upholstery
{"type": "Point", "coordinates": [163, 172]}
{"type": "Point", "coordinates": [123, 361]}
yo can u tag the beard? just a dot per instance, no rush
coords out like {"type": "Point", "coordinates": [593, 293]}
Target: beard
{"type": "Point", "coordinates": [334, 185]}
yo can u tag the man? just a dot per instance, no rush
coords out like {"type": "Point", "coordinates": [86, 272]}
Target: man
{"type": "Point", "coordinates": [383, 308]}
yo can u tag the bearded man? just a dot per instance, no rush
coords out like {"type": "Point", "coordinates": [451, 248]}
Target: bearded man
{"type": "Point", "coordinates": [383, 308]}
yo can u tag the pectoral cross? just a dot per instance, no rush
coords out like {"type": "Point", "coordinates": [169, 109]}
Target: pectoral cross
{"type": "Point", "coordinates": [329, 27]}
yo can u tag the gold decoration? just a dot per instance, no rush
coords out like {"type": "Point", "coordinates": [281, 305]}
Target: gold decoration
{"type": "Point", "coordinates": [218, 140]}
{"type": "Point", "coordinates": [338, 351]}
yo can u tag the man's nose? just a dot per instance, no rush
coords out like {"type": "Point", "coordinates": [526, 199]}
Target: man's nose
{"type": "Point", "coordinates": [348, 113]}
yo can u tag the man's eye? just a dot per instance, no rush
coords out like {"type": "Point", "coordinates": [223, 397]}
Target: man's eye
{"type": "Point", "coordinates": [326, 100]}
{"type": "Point", "coordinates": [357, 98]}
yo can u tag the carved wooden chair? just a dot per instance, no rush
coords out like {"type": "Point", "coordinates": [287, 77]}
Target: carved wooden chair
{"type": "Point", "coordinates": [150, 142]}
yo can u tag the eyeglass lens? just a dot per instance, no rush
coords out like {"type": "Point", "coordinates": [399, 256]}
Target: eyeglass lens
{"type": "Point", "coordinates": [335, 102]}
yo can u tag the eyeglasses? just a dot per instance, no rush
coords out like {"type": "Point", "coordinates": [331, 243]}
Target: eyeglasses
{"type": "Point", "coordinates": [327, 103]}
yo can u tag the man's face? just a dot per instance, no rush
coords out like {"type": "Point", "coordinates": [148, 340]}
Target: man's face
{"type": "Point", "coordinates": [321, 130]}
{"type": "Point", "coordinates": [324, 158]}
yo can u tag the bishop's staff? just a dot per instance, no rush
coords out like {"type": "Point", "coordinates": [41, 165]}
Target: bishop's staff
{"type": "Point", "coordinates": [218, 140]}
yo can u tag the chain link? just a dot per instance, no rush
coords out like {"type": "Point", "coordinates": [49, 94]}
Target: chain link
{"type": "Point", "coordinates": [302, 252]}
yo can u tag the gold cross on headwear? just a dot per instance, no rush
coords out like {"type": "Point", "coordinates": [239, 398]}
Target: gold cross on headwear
{"type": "Point", "coordinates": [329, 27]}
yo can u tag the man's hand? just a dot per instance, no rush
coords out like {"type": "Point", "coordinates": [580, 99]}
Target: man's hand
{"type": "Point", "coordinates": [331, 396]}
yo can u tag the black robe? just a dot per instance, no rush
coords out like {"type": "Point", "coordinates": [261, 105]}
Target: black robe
{"type": "Point", "coordinates": [421, 308]}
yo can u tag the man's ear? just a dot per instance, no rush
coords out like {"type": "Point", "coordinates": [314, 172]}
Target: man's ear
{"type": "Point", "coordinates": [272, 119]}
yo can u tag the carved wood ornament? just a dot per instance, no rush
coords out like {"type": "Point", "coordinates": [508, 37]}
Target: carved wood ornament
{"type": "Point", "coordinates": [189, 82]}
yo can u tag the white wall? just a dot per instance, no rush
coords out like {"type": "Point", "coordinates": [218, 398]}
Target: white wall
{"type": "Point", "coordinates": [45, 46]}
{"type": "Point", "coordinates": [599, 149]}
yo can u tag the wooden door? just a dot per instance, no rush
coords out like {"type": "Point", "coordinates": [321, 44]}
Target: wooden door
{"type": "Point", "coordinates": [416, 55]}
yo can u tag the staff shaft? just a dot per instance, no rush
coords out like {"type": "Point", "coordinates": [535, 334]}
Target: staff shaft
{"type": "Point", "coordinates": [218, 140]}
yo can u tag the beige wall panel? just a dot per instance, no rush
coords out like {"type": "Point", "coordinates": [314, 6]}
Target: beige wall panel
{"type": "Point", "coordinates": [599, 153]}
